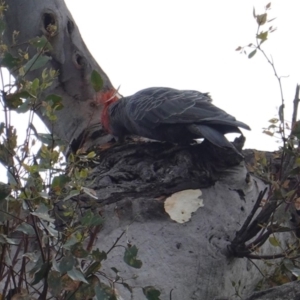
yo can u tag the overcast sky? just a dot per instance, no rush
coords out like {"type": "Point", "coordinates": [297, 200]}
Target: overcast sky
{"type": "Point", "coordinates": [191, 45]}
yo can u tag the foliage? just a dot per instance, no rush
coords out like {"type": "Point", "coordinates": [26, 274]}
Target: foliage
{"type": "Point", "coordinates": [280, 204]}
{"type": "Point", "coordinates": [46, 239]}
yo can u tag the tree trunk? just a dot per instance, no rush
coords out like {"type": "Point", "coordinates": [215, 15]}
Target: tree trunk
{"type": "Point", "coordinates": [190, 259]}
{"type": "Point", "coordinates": [69, 55]}
{"type": "Point", "coordinates": [185, 258]}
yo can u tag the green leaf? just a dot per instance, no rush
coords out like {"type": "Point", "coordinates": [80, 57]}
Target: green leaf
{"type": "Point", "coordinates": [42, 213]}
{"type": "Point", "coordinates": [22, 95]}
{"type": "Point", "coordinates": [99, 255]}
{"type": "Point", "coordinates": [70, 242]}
{"type": "Point", "coordinates": [274, 242]}
{"type": "Point", "coordinates": [280, 113]}
{"type": "Point", "coordinates": [84, 173]}
{"type": "Point", "coordinates": [2, 127]}
{"type": "Point", "coordinates": [97, 81]}
{"type": "Point", "coordinates": [271, 21]}
{"type": "Point", "coordinates": [41, 42]}
{"type": "Point", "coordinates": [282, 216]}
{"type": "Point", "coordinates": [5, 156]}
{"type": "Point", "coordinates": [41, 274]}
{"type": "Point", "coordinates": [251, 54]}
{"type": "Point", "coordinates": [46, 138]}
{"type": "Point", "coordinates": [24, 107]}
{"type": "Point", "coordinates": [254, 15]}
{"type": "Point", "coordinates": [37, 258]}
{"type": "Point", "coordinates": [55, 283]}
{"type": "Point", "coordinates": [262, 36]}
{"type": "Point", "coordinates": [261, 19]}
{"type": "Point", "coordinates": [76, 275]}
{"type": "Point", "coordinates": [13, 101]}
{"type": "Point", "coordinates": [151, 293]}
{"type": "Point", "coordinates": [34, 86]}
{"type": "Point", "coordinates": [130, 257]}
{"type": "Point", "coordinates": [67, 263]}
{"type": "Point", "coordinates": [72, 193]}
{"type": "Point", "coordinates": [289, 194]}
{"type": "Point", "coordinates": [290, 265]}
{"type": "Point", "coordinates": [90, 219]}
{"type": "Point", "coordinates": [60, 181]}
{"type": "Point", "coordinates": [92, 193]}
{"type": "Point", "coordinates": [104, 292]}
{"type": "Point", "coordinates": [9, 61]}
{"type": "Point", "coordinates": [9, 209]}
{"type": "Point", "coordinates": [92, 154]}
{"type": "Point", "coordinates": [268, 132]}
{"type": "Point", "coordinates": [5, 240]}
{"type": "Point", "coordinates": [78, 251]}
{"type": "Point", "coordinates": [56, 101]}
{"type": "Point", "coordinates": [84, 290]}
{"type": "Point", "coordinates": [25, 228]}
{"type": "Point", "coordinates": [36, 62]}
{"type": "Point", "coordinates": [33, 257]}
{"type": "Point", "coordinates": [93, 268]}
{"type": "Point", "coordinates": [273, 120]}
{"type": "Point", "coordinates": [5, 190]}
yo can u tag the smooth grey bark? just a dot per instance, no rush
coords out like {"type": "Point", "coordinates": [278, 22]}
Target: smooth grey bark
{"type": "Point", "coordinates": [190, 259]}
{"type": "Point", "coordinates": [70, 57]}
{"type": "Point", "coordinates": [133, 180]}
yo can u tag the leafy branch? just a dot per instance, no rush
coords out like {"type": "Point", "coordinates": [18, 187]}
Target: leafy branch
{"type": "Point", "coordinates": [278, 203]}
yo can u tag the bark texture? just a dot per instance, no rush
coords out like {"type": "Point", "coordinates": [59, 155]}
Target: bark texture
{"type": "Point", "coordinates": [69, 56]}
{"type": "Point", "coordinates": [189, 260]}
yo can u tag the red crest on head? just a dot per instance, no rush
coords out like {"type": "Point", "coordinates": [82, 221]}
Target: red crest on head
{"type": "Point", "coordinates": [106, 99]}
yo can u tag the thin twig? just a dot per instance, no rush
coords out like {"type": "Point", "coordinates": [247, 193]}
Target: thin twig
{"type": "Point", "coordinates": [275, 256]}
{"type": "Point", "coordinates": [241, 232]}
{"type": "Point", "coordinates": [115, 243]}
{"type": "Point", "coordinates": [262, 274]}
{"type": "Point", "coordinates": [295, 110]}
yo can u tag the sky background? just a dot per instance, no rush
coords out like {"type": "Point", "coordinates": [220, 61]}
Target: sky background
{"type": "Point", "coordinates": [191, 45]}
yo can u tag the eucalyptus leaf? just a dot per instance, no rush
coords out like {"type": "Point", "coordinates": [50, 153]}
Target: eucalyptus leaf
{"type": "Point", "coordinates": [36, 62]}
{"type": "Point", "coordinates": [151, 293]}
{"type": "Point", "coordinates": [76, 275]}
{"type": "Point", "coordinates": [25, 228]}
{"type": "Point", "coordinates": [130, 257]}
{"type": "Point", "coordinates": [97, 81]}
{"type": "Point", "coordinates": [104, 292]}
{"type": "Point", "coordinates": [67, 263]}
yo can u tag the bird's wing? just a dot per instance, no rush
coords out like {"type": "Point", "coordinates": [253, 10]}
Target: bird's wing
{"type": "Point", "coordinates": [167, 105]}
{"type": "Point", "coordinates": [157, 106]}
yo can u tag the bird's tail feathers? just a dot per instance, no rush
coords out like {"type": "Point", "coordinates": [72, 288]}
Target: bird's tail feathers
{"type": "Point", "coordinates": [228, 122]}
{"type": "Point", "coordinates": [211, 134]}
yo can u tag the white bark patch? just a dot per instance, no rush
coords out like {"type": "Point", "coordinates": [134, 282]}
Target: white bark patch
{"type": "Point", "coordinates": [181, 205]}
